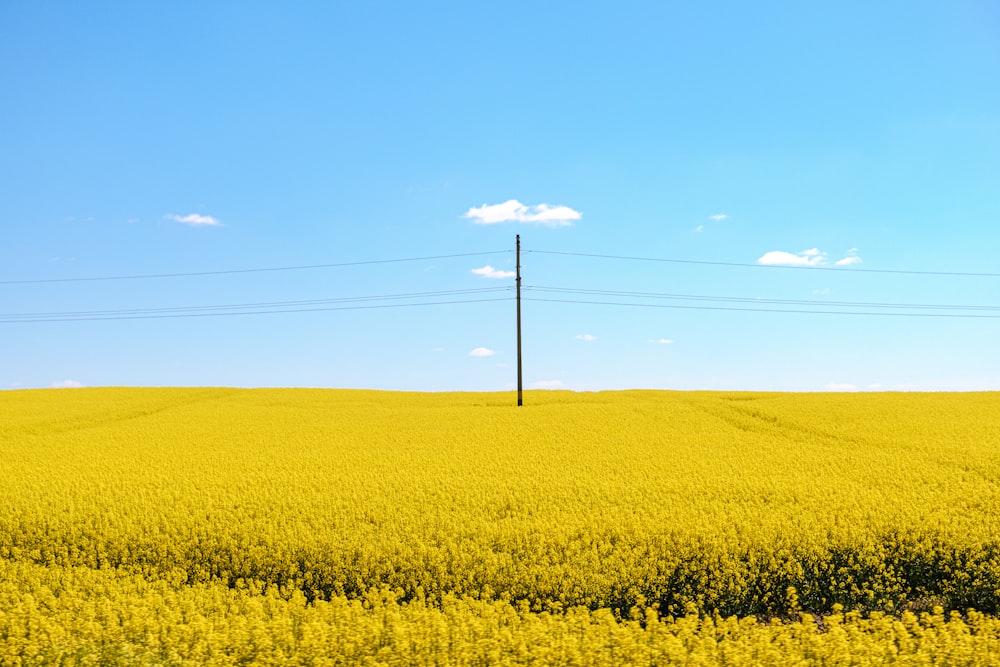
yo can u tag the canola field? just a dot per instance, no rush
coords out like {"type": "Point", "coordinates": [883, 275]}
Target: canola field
{"type": "Point", "coordinates": [334, 527]}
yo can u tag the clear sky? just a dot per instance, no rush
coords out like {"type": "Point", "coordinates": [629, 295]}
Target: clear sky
{"type": "Point", "coordinates": [846, 140]}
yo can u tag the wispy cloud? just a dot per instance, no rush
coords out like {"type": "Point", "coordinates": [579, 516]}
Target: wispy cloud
{"type": "Point", "coordinates": [195, 220]}
{"type": "Point", "coordinates": [852, 258]}
{"type": "Point", "coordinates": [660, 341]}
{"type": "Point", "coordinates": [718, 217]}
{"type": "Point", "coordinates": [811, 257]}
{"type": "Point", "coordinates": [514, 211]}
{"type": "Point", "coordinates": [588, 338]}
{"type": "Point", "coordinates": [66, 384]}
{"type": "Point", "coordinates": [547, 384]}
{"type": "Point", "coordinates": [489, 272]}
{"type": "Point", "coordinates": [482, 352]}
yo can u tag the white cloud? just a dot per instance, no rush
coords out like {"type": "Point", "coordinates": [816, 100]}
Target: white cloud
{"type": "Point", "coordinates": [811, 257]}
{"type": "Point", "coordinates": [66, 384]}
{"type": "Point", "coordinates": [195, 220]}
{"type": "Point", "coordinates": [718, 217]}
{"type": "Point", "coordinates": [841, 386]}
{"type": "Point", "coordinates": [482, 352]}
{"type": "Point", "coordinates": [821, 292]}
{"type": "Point", "coordinates": [661, 341]}
{"type": "Point", "coordinates": [589, 338]}
{"type": "Point", "coordinates": [514, 211]}
{"type": "Point", "coordinates": [874, 387]}
{"type": "Point", "coordinates": [698, 229]}
{"type": "Point", "coordinates": [547, 384]}
{"type": "Point", "coordinates": [489, 272]}
{"type": "Point", "coordinates": [852, 258]}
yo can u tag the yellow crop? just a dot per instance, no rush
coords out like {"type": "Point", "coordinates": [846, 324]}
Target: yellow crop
{"type": "Point", "coordinates": [223, 526]}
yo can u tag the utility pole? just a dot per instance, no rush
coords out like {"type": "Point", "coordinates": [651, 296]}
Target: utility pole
{"type": "Point", "coordinates": [517, 254]}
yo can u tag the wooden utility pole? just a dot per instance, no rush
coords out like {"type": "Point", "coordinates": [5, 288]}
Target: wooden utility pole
{"type": "Point", "coordinates": [517, 254]}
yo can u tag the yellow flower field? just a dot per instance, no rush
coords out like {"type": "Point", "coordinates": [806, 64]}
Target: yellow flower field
{"type": "Point", "coordinates": [294, 526]}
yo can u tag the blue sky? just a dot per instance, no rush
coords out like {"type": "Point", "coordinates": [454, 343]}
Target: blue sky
{"type": "Point", "coordinates": [846, 140]}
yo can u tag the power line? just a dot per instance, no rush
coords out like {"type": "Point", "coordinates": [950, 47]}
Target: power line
{"type": "Point", "coordinates": [448, 297]}
{"type": "Point", "coordinates": [351, 303]}
{"type": "Point", "coordinates": [257, 270]}
{"type": "Point", "coordinates": [766, 266]}
{"type": "Point", "coordinates": [756, 300]}
{"type": "Point", "coordinates": [256, 312]}
{"type": "Point", "coordinates": [263, 308]}
{"type": "Point", "coordinates": [264, 304]}
{"type": "Point", "coordinates": [761, 310]}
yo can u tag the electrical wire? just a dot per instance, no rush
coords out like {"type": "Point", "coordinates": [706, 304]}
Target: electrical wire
{"type": "Point", "coordinates": [758, 310]}
{"type": "Point", "coordinates": [766, 266]}
{"type": "Point", "coordinates": [257, 270]}
{"type": "Point", "coordinates": [261, 308]}
{"type": "Point", "coordinates": [462, 296]}
{"type": "Point", "coordinates": [755, 300]}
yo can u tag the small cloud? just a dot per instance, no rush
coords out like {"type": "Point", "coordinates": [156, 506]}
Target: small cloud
{"type": "Point", "coordinates": [489, 272]}
{"type": "Point", "coordinates": [547, 384]}
{"type": "Point", "coordinates": [514, 211]}
{"type": "Point", "coordinates": [840, 386]}
{"type": "Point", "coordinates": [821, 292]}
{"type": "Point", "coordinates": [874, 387]}
{"type": "Point", "coordinates": [588, 338]}
{"type": "Point", "coordinates": [195, 220]}
{"type": "Point", "coordinates": [15, 384]}
{"type": "Point", "coordinates": [132, 221]}
{"type": "Point", "coordinates": [718, 217]}
{"type": "Point", "coordinates": [660, 341]}
{"type": "Point", "coordinates": [852, 258]}
{"type": "Point", "coordinates": [811, 257]}
{"type": "Point", "coordinates": [438, 349]}
{"type": "Point", "coordinates": [66, 384]}
{"type": "Point", "coordinates": [698, 229]}
{"type": "Point", "coordinates": [482, 352]}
